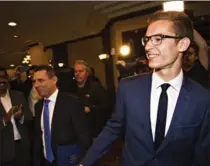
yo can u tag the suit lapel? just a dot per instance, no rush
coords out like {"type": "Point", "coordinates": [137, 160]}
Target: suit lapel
{"type": "Point", "coordinates": [145, 92]}
{"type": "Point", "coordinates": [13, 98]}
{"type": "Point", "coordinates": [179, 112]}
{"type": "Point", "coordinates": [38, 113]}
{"type": "Point", "coordinates": [2, 111]}
{"type": "Point", "coordinates": [58, 106]}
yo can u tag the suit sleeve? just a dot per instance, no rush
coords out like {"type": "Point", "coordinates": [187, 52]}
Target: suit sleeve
{"type": "Point", "coordinates": [82, 128]}
{"type": "Point", "coordinates": [110, 132]}
{"type": "Point", "coordinates": [202, 148]}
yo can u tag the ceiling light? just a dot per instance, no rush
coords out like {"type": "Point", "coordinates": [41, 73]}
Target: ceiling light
{"type": "Point", "coordinates": [15, 36]}
{"type": "Point", "coordinates": [28, 57]}
{"type": "Point", "coordinates": [103, 56]}
{"type": "Point", "coordinates": [60, 64]}
{"type": "Point", "coordinates": [12, 24]}
{"type": "Point", "coordinates": [173, 6]}
{"type": "Point", "coordinates": [25, 61]}
{"type": "Point", "coordinates": [125, 50]}
{"type": "Point", "coordinates": [12, 65]}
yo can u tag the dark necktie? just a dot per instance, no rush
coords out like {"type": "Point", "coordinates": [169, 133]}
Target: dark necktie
{"type": "Point", "coordinates": [47, 132]}
{"type": "Point", "coordinates": [161, 116]}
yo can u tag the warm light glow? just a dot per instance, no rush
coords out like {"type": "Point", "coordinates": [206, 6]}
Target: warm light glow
{"type": "Point", "coordinates": [15, 36]}
{"type": "Point", "coordinates": [60, 64]}
{"type": "Point", "coordinates": [12, 65]}
{"type": "Point", "coordinates": [25, 61]}
{"type": "Point", "coordinates": [28, 57]}
{"type": "Point", "coordinates": [125, 50]}
{"type": "Point", "coordinates": [30, 65]}
{"type": "Point", "coordinates": [12, 24]}
{"type": "Point", "coordinates": [173, 6]}
{"type": "Point", "coordinates": [103, 56]}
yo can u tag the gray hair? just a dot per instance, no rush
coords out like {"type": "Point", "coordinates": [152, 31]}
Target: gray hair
{"type": "Point", "coordinates": [82, 62]}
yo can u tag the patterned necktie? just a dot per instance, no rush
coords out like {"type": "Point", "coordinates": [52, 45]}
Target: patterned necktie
{"type": "Point", "coordinates": [161, 116]}
{"type": "Point", "coordinates": [47, 132]}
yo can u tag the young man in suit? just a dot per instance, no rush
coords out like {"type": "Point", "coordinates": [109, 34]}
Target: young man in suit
{"type": "Point", "coordinates": [14, 125]}
{"type": "Point", "coordinates": [60, 120]}
{"type": "Point", "coordinates": [165, 116]}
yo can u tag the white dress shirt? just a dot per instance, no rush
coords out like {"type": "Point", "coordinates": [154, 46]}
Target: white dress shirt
{"type": "Point", "coordinates": [7, 104]}
{"type": "Point", "coordinates": [52, 99]}
{"type": "Point", "coordinates": [172, 92]}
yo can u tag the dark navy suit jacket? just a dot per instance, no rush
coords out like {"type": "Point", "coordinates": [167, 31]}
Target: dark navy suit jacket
{"type": "Point", "coordinates": [187, 140]}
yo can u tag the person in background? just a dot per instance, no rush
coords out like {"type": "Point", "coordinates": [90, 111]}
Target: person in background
{"type": "Point", "coordinates": [196, 61]}
{"type": "Point", "coordinates": [15, 118]}
{"type": "Point", "coordinates": [28, 82]}
{"type": "Point", "coordinates": [165, 116]}
{"type": "Point", "coordinates": [66, 81]}
{"type": "Point", "coordinates": [93, 96]}
{"type": "Point", "coordinates": [16, 83]}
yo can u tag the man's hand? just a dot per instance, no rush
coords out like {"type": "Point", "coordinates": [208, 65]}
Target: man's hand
{"type": "Point", "coordinates": [87, 109]}
{"type": "Point", "coordinates": [18, 114]}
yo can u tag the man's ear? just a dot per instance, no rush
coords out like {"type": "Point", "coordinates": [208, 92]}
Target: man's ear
{"type": "Point", "coordinates": [183, 44]}
{"type": "Point", "coordinates": [55, 79]}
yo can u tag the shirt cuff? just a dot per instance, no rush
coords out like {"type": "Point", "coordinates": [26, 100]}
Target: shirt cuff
{"type": "Point", "coordinates": [21, 120]}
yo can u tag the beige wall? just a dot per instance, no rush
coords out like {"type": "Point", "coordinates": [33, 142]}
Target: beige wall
{"type": "Point", "coordinates": [88, 50]}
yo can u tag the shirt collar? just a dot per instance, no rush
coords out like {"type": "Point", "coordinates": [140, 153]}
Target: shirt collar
{"type": "Point", "coordinates": [175, 83]}
{"type": "Point", "coordinates": [53, 96]}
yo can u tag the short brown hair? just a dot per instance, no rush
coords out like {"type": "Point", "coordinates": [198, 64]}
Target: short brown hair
{"type": "Point", "coordinates": [181, 22]}
{"type": "Point", "coordinates": [50, 71]}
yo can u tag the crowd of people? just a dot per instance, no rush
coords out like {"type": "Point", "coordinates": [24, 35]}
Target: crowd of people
{"type": "Point", "coordinates": [75, 115]}
{"type": "Point", "coordinates": [162, 112]}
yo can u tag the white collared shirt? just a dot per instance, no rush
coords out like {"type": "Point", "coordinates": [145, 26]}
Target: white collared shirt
{"type": "Point", "coordinates": [172, 92]}
{"type": "Point", "coordinates": [7, 104]}
{"type": "Point", "coordinates": [52, 102]}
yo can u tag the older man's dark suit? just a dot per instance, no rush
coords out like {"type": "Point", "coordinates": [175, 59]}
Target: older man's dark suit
{"type": "Point", "coordinates": [69, 126]}
{"type": "Point", "coordinates": [7, 147]}
{"type": "Point", "coordinates": [187, 140]}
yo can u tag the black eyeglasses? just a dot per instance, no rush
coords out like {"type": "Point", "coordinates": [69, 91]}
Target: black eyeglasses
{"type": "Point", "coordinates": [157, 39]}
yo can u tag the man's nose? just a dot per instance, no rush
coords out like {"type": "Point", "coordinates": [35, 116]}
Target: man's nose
{"type": "Point", "coordinates": [148, 45]}
{"type": "Point", "coordinates": [35, 84]}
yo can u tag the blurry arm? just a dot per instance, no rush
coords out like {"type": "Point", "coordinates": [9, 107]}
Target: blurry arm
{"type": "Point", "coordinates": [202, 49]}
